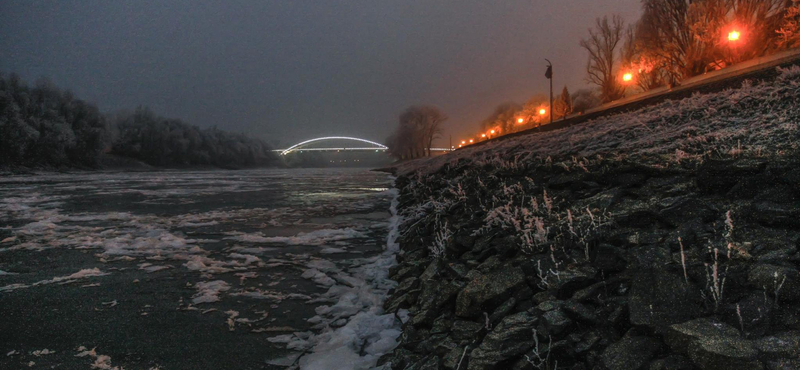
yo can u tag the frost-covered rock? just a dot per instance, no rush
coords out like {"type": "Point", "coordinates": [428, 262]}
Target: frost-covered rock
{"type": "Point", "coordinates": [483, 291]}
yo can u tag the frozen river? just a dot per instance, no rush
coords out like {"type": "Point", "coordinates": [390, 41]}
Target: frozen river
{"type": "Point", "coordinates": [196, 270]}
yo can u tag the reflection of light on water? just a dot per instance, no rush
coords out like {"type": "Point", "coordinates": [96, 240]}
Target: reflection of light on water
{"type": "Point", "coordinates": [373, 189]}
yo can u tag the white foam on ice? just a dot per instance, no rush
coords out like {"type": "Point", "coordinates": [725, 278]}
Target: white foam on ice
{"type": "Point", "coordinates": [358, 303]}
{"type": "Point", "coordinates": [316, 237]}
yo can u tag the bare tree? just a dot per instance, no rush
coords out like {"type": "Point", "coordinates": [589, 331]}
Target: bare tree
{"type": "Point", "coordinates": [602, 46]}
{"type": "Point", "coordinates": [639, 59]}
{"type": "Point", "coordinates": [417, 128]}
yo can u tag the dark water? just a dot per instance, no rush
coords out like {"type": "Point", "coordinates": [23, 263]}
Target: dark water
{"type": "Point", "coordinates": [193, 270]}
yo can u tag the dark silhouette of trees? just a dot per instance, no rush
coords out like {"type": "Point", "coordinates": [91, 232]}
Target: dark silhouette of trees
{"type": "Point", "coordinates": [583, 100]}
{"type": "Point", "coordinates": [45, 126]}
{"type": "Point", "coordinates": [417, 128]}
{"type": "Point", "coordinates": [602, 47]}
{"type": "Point", "coordinates": [170, 142]}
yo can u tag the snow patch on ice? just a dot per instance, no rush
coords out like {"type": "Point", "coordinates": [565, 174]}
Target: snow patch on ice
{"type": "Point", "coordinates": [316, 237]}
{"type": "Point", "coordinates": [209, 291]}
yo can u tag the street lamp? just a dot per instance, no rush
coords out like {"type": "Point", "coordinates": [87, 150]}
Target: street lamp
{"type": "Point", "coordinates": [628, 77]}
{"type": "Point", "coordinates": [463, 142]}
{"type": "Point", "coordinates": [549, 75]}
{"type": "Point", "coordinates": [520, 120]}
{"type": "Point", "coordinates": [542, 111]}
{"type": "Point", "coordinates": [491, 132]}
{"type": "Point", "coordinates": [483, 135]}
{"type": "Point", "coordinates": [734, 35]}
{"type": "Point", "coordinates": [471, 141]}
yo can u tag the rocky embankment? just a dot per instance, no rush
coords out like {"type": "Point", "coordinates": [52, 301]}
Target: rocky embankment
{"type": "Point", "coordinates": [675, 248]}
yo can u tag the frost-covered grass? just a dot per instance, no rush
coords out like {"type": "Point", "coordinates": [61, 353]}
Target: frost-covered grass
{"type": "Point", "coordinates": [758, 117]}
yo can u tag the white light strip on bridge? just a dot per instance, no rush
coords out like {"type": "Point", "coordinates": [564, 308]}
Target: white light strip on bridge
{"type": "Point", "coordinates": [291, 148]}
{"type": "Point", "coordinates": [330, 149]}
{"type": "Point", "coordinates": [339, 149]}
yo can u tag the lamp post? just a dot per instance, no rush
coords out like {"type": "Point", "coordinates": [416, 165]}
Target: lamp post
{"type": "Point", "coordinates": [549, 75]}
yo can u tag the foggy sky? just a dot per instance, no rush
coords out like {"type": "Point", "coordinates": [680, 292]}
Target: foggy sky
{"type": "Point", "coordinates": [285, 71]}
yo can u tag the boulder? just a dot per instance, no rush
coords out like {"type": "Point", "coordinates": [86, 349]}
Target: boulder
{"type": "Point", "coordinates": [511, 338]}
{"type": "Point", "coordinates": [784, 345]}
{"type": "Point", "coordinates": [631, 353]}
{"type": "Point", "coordinates": [682, 336]}
{"type": "Point", "coordinates": [554, 322]}
{"type": "Point", "coordinates": [484, 291]}
{"type": "Point", "coordinates": [571, 280]}
{"type": "Point", "coordinates": [777, 214]}
{"type": "Point", "coordinates": [784, 364]}
{"type": "Point", "coordinates": [434, 295]}
{"type": "Point", "coordinates": [465, 330]}
{"type": "Point", "coordinates": [724, 353]}
{"type": "Point", "coordinates": [660, 298]}
{"type": "Point", "coordinates": [676, 211]}
{"type": "Point", "coordinates": [580, 312]}
{"type": "Point", "coordinates": [671, 362]}
{"type": "Point", "coordinates": [719, 176]}
{"type": "Point", "coordinates": [713, 345]}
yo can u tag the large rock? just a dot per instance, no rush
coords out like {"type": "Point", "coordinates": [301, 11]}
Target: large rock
{"type": "Point", "coordinates": [434, 295]}
{"type": "Point", "coordinates": [678, 210]}
{"type": "Point", "coordinates": [511, 338]}
{"type": "Point", "coordinates": [719, 176]}
{"type": "Point", "coordinates": [555, 322]}
{"type": "Point", "coordinates": [780, 346]}
{"type": "Point", "coordinates": [570, 280]}
{"type": "Point", "coordinates": [671, 362]}
{"type": "Point", "coordinates": [777, 214]}
{"type": "Point", "coordinates": [485, 291]}
{"type": "Point", "coordinates": [661, 298]}
{"type": "Point", "coordinates": [630, 353]}
{"type": "Point", "coordinates": [713, 345]}
{"type": "Point", "coordinates": [724, 353]}
{"type": "Point", "coordinates": [769, 277]}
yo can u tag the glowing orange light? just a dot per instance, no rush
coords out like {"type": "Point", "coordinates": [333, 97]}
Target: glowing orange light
{"type": "Point", "coordinates": [491, 131]}
{"type": "Point", "coordinates": [734, 36]}
{"type": "Point", "coordinates": [463, 142]}
{"type": "Point", "coordinates": [459, 145]}
{"type": "Point", "coordinates": [471, 141]}
{"type": "Point", "coordinates": [542, 111]}
{"type": "Point", "coordinates": [627, 77]}
{"type": "Point", "coordinates": [483, 135]}
{"type": "Point", "coordinates": [520, 120]}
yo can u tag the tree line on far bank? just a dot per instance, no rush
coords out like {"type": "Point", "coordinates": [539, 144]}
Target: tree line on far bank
{"type": "Point", "coordinates": [43, 126]}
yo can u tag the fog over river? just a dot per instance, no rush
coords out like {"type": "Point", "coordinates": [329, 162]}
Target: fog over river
{"type": "Point", "coordinates": [197, 270]}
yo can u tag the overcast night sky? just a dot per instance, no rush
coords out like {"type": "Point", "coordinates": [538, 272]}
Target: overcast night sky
{"type": "Point", "coordinates": [291, 70]}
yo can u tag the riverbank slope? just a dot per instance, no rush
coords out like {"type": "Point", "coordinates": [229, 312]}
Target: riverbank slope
{"type": "Point", "coordinates": [662, 238]}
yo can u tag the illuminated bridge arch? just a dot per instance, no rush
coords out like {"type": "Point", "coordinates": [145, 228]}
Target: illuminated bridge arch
{"type": "Point", "coordinates": [299, 146]}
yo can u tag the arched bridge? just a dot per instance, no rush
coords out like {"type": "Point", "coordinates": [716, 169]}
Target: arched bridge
{"type": "Point", "coordinates": [302, 145]}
